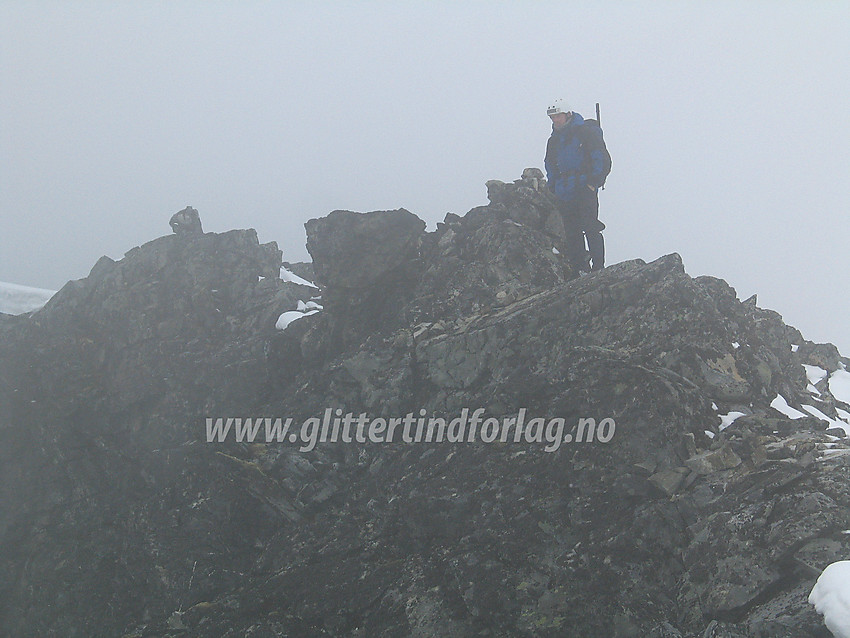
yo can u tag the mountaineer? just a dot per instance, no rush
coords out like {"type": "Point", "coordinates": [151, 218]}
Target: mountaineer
{"type": "Point", "coordinates": [577, 163]}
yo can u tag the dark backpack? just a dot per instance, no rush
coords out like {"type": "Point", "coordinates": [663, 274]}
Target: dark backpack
{"type": "Point", "coordinates": [592, 140]}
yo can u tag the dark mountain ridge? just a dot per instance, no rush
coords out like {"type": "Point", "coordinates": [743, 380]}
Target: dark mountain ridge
{"type": "Point", "coordinates": [119, 518]}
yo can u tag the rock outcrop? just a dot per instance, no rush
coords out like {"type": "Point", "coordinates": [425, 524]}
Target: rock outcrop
{"type": "Point", "coordinates": [186, 222]}
{"type": "Point", "coordinates": [713, 490]}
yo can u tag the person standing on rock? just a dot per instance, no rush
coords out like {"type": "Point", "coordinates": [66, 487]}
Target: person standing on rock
{"type": "Point", "coordinates": [577, 163]}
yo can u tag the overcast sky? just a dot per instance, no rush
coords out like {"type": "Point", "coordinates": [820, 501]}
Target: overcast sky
{"type": "Point", "coordinates": [728, 123]}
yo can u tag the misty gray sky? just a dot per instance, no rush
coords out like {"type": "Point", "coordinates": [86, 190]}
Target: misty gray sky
{"type": "Point", "coordinates": [729, 125]}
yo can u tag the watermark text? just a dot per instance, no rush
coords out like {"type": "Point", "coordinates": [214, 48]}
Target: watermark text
{"type": "Point", "coordinates": [469, 426]}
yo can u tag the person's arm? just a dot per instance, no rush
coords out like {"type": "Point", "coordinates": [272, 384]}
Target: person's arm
{"type": "Point", "coordinates": [549, 162]}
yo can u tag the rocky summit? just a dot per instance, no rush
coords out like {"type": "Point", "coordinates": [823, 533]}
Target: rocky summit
{"type": "Point", "coordinates": [444, 433]}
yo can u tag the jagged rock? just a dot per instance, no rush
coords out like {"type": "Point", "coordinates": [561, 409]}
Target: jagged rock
{"type": "Point", "coordinates": [476, 268]}
{"type": "Point", "coordinates": [823, 355]}
{"type": "Point", "coordinates": [366, 264]}
{"type": "Point", "coordinates": [301, 269]}
{"type": "Point", "coordinates": [669, 481]}
{"type": "Point", "coordinates": [665, 630]}
{"type": "Point", "coordinates": [710, 461]}
{"type": "Point", "coordinates": [724, 630]}
{"type": "Point", "coordinates": [186, 222]}
{"type": "Point", "coordinates": [354, 250]}
{"type": "Point", "coordinates": [119, 518]}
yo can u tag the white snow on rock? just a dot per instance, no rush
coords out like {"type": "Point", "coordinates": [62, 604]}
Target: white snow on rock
{"type": "Point", "coordinates": [15, 299]}
{"type": "Point", "coordinates": [304, 309]}
{"type": "Point", "coordinates": [728, 419]}
{"type": "Point", "coordinates": [291, 276]}
{"type": "Point", "coordinates": [289, 316]}
{"type": "Point", "coordinates": [839, 385]}
{"type": "Point", "coordinates": [310, 305]}
{"type": "Point", "coordinates": [831, 598]}
{"type": "Point", "coordinates": [794, 348]}
{"type": "Point", "coordinates": [815, 374]}
{"type": "Point", "coordinates": [833, 423]}
{"type": "Point", "coordinates": [781, 405]}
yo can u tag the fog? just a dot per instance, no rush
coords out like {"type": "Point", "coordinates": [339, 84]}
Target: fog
{"type": "Point", "coordinates": [727, 124]}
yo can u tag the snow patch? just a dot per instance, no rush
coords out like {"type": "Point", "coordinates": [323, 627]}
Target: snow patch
{"type": "Point", "coordinates": [833, 423]}
{"type": "Point", "coordinates": [295, 279]}
{"type": "Point", "coordinates": [839, 385]}
{"type": "Point", "coordinates": [835, 452]}
{"type": "Point", "coordinates": [289, 316]}
{"type": "Point", "coordinates": [304, 309]}
{"type": "Point", "coordinates": [728, 419]}
{"type": "Point", "coordinates": [815, 374]}
{"type": "Point", "coordinates": [781, 405]}
{"type": "Point", "coordinates": [831, 598]}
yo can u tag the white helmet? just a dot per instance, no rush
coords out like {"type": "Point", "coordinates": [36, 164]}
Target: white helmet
{"type": "Point", "coordinates": [558, 106]}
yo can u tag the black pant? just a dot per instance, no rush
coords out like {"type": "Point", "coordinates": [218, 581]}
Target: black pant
{"type": "Point", "coordinates": [581, 222]}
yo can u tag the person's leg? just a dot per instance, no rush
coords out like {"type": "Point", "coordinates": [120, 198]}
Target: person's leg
{"type": "Point", "coordinates": [592, 227]}
{"type": "Point", "coordinates": [596, 246]}
{"type": "Point", "coordinates": [573, 236]}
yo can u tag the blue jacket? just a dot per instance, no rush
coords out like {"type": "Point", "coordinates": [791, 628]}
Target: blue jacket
{"type": "Point", "coordinates": [575, 158]}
